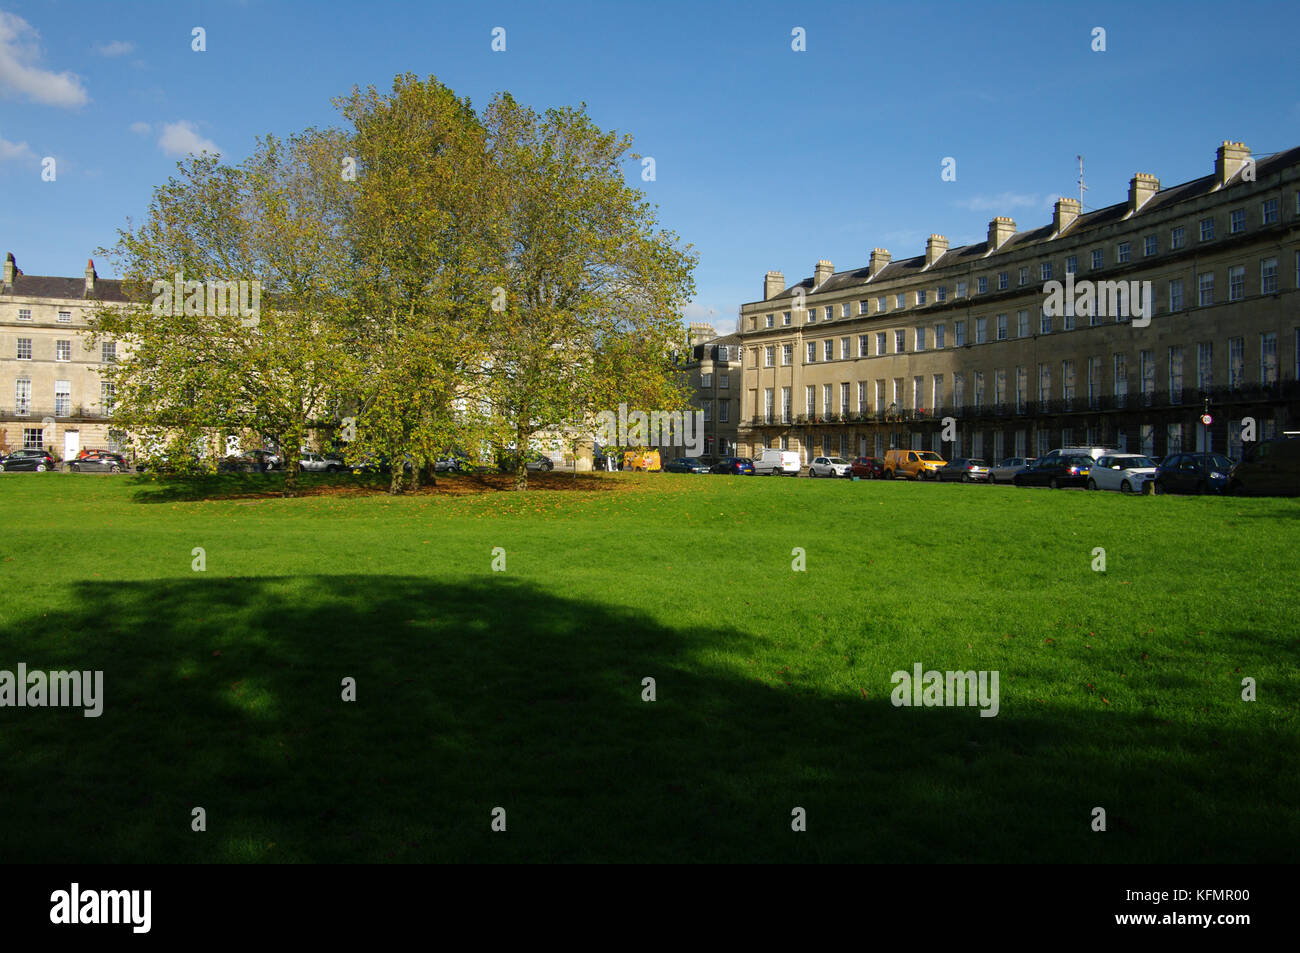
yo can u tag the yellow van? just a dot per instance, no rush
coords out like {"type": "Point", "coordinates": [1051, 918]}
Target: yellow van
{"type": "Point", "coordinates": [913, 464]}
{"type": "Point", "coordinates": [647, 460]}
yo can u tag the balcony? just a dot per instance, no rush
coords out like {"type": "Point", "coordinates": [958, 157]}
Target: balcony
{"type": "Point", "coordinates": [73, 413]}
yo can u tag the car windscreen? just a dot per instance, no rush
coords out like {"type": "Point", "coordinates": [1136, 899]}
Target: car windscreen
{"type": "Point", "coordinates": [1132, 463]}
{"type": "Point", "coordinates": [930, 455]}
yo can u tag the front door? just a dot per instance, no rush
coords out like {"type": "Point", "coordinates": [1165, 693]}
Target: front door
{"type": "Point", "coordinates": [71, 444]}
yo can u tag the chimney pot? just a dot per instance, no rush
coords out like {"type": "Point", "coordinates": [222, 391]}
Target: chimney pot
{"type": "Point", "coordinates": [935, 248]}
{"type": "Point", "coordinates": [90, 274]}
{"type": "Point", "coordinates": [773, 284]}
{"type": "Point", "coordinates": [880, 257]}
{"type": "Point", "coordinates": [1231, 159]}
{"type": "Point", "coordinates": [1000, 229]}
{"type": "Point", "coordinates": [1067, 210]}
{"type": "Point", "coordinates": [1140, 189]}
{"type": "Point", "coordinates": [11, 267]}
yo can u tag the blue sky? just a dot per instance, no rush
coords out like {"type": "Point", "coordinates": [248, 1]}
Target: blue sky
{"type": "Point", "coordinates": [766, 158]}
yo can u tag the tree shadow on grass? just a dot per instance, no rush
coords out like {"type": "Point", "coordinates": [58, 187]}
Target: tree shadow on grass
{"type": "Point", "coordinates": [225, 694]}
{"type": "Point", "coordinates": [162, 488]}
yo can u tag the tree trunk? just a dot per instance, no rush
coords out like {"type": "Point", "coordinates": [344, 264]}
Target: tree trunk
{"type": "Point", "coordinates": [395, 480]}
{"type": "Point", "coordinates": [413, 483]}
{"type": "Point", "coordinates": [290, 477]}
{"type": "Point", "coordinates": [521, 459]}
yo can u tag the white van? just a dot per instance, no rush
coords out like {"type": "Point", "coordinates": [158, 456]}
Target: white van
{"type": "Point", "coordinates": [773, 461]}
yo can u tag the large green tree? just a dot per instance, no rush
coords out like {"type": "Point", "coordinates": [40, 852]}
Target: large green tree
{"type": "Point", "coordinates": [419, 249]}
{"type": "Point", "coordinates": [186, 369]}
{"type": "Point", "coordinates": [594, 285]}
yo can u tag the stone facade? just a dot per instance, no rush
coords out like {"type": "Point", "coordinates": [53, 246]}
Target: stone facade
{"type": "Point", "coordinates": [857, 361]}
{"type": "Point", "coordinates": [52, 394]}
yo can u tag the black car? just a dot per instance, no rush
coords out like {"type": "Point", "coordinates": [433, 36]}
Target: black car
{"type": "Point", "coordinates": [1268, 468]}
{"type": "Point", "coordinates": [965, 469]}
{"type": "Point", "coordinates": [1056, 472]}
{"type": "Point", "coordinates": [1192, 473]}
{"type": "Point", "coordinates": [37, 460]}
{"type": "Point", "coordinates": [99, 461]}
{"type": "Point", "coordinates": [685, 465]}
{"type": "Point", "coordinates": [734, 465]}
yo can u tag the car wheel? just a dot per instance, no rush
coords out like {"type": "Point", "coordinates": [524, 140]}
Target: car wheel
{"type": "Point", "coordinates": [1237, 489]}
{"type": "Point", "coordinates": [1126, 487]}
{"type": "Point", "coordinates": [889, 474]}
{"type": "Point", "coordinates": [1092, 484]}
{"type": "Point", "coordinates": [1055, 485]}
{"type": "Point", "coordinates": [40, 468]}
{"type": "Point", "coordinates": [74, 468]}
{"type": "Point", "coordinates": [965, 478]}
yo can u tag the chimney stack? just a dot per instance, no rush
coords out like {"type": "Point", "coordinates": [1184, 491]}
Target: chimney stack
{"type": "Point", "coordinates": [823, 271]}
{"type": "Point", "coordinates": [879, 259]}
{"type": "Point", "coordinates": [773, 284]}
{"type": "Point", "coordinates": [699, 332]}
{"type": "Point", "coordinates": [90, 275]}
{"type": "Point", "coordinates": [1230, 160]}
{"type": "Point", "coordinates": [935, 248]}
{"type": "Point", "coordinates": [1000, 229]}
{"type": "Point", "coordinates": [11, 267]}
{"type": "Point", "coordinates": [1140, 189]}
{"type": "Point", "coordinates": [1067, 210]}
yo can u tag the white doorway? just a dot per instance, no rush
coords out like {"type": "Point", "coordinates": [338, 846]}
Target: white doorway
{"type": "Point", "coordinates": [71, 444]}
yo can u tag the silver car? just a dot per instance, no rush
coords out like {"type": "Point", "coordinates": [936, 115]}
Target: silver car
{"type": "Point", "coordinates": [1006, 470]}
{"type": "Point", "coordinates": [1125, 472]}
{"type": "Point", "coordinates": [321, 463]}
{"type": "Point", "coordinates": [828, 467]}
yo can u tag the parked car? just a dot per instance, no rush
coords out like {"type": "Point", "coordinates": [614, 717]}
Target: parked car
{"type": "Point", "coordinates": [1125, 472]}
{"type": "Point", "coordinates": [268, 458]}
{"type": "Point", "coordinates": [453, 462]}
{"type": "Point", "coordinates": [912, 464]}
{"type": "Point", "coordinates": [734, 465]}
{"type": "Point", "coordinates": [1094, 452]}
{"type": "Point", "coordinates": [241, 463]}
{"type": "Point", "coordinates": [37, 460]}
{"type": "Point", "coordinates": [647, 460]}
{"type": "Point", "coordinates": [1268, 468]}
{"type": "Point", "coordinates": [867, 468]}
{"type": "Point", "coordinates": [965, 470]}
{"type": "Point", "coordinates": [774, 461]}
{"type": "Point", "coordinates": [535, 461]}
{"type": "Point", "coordinates": [99, 461]}
{"type": "Point", "coordinates": [1056, 471]}
{"type": "Point", "coordinates": [313, 462]}
{"type": "Point", "coordinates": [1005, 471]}
{"type": "Point", "coordinates": [685, 465]}
{"type": "Point", "coordinates": [828, 467]}
{"type": "Point", "coordinates": [1192, 473]}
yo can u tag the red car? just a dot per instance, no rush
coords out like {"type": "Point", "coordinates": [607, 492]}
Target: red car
{"type": "Point", "coordinates": [867, 468]}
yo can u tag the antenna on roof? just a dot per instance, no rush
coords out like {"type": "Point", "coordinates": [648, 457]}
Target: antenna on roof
{"type": "Point", "coordinates": [1082, 188]}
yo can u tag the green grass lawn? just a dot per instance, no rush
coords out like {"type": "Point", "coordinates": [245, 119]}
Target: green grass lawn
{"type": "Point", "coordinates": [522, 689]}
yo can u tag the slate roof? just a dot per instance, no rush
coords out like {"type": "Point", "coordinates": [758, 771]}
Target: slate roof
{"type": "Point", "coordinates": [45, 286]}
{"type": "Point", "coordinates": [1097, 218]}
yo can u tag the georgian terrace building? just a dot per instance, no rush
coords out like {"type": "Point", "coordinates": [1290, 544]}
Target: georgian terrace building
{"type": "Point", "coordinates": [52, 394]}
{"type": "Point", "coordinates": [854, 362]}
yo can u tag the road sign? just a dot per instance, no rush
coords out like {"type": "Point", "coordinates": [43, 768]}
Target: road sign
{"type": "Point", "coordinates": [1207, 419]}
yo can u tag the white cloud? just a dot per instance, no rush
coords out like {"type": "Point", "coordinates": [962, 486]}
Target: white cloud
{"type": "Point", "coordinates": [182, 138]}
{"type": "Point", "coordinates": [19, 74]}
{"type": "Point", "coordinates": [141, 128]}
{"type": "Point", "coordinates": [116, 48]}
{"type": "Point", "coordinates": [15, 150]}
{"type": "Point", "coordinates": [1003, 202]}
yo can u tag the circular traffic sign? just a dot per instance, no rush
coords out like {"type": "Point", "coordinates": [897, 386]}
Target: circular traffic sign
{"type": "Point", "coordinates": [1207, 419]}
